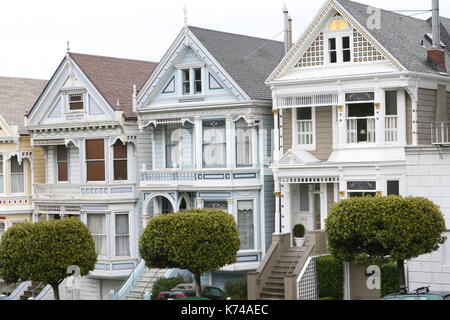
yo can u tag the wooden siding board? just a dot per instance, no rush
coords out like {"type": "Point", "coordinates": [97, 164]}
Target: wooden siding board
{"type": "Point", "coordinates": [426, 112]}
{"type": "Point", "coordinates": [287, 129]}
{"type": "Point", "coordinates": [324, 132]}
{"type": "Point", "coordinates": [269, 205]}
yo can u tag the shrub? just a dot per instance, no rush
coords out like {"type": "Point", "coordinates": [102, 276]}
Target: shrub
{"type": "Point", "coordinates": [299, 230]}
{"type": "Point", "coordinates": [389, 279]}
{"type": "Point", "coordinates": [330, 277]}
{"type": "Point", "coordinates": [165, 284]}
{"type": "Point", "coordinates": [236, 290]}
{"type": "Point", "coordinates": [198, 240]}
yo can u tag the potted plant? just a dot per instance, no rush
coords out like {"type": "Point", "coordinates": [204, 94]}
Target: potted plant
{"type": "Point", "coordinates": [299, 234]}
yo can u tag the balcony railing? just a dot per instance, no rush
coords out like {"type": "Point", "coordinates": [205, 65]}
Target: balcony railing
{"type": "Point", "coordinates": [81, 191]}
{"type": "Point", "coordinates": [197, 175]}
{"type": "Point", "coordinates": [440, 133]}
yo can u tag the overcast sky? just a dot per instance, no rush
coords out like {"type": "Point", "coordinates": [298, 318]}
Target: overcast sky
{"type": "Point", "coordinates": [34, 33]}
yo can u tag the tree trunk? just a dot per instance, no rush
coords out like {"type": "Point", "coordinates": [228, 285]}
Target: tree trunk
{"type": "Point", "coordinates": [401, 274]}
{"type": "Point", "coordinates": [55, 288]}
{"type": "Point", "coordinates": [198, 284]}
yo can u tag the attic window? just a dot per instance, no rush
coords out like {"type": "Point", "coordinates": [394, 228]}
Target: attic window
{"type": "Point", "coordinates": [76, 101]}
{"type": "Point", "coordinates": [338, 24]}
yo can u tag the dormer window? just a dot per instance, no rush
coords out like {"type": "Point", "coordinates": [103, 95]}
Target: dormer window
{"type": "Point", "coordinates": [192, 81]}
{"type": "Point", "coordinates": [76, 101]}
{"type": "Point", "coordinates": [339, 41]}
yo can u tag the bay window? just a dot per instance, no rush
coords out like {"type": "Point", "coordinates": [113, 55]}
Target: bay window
{"type": "Point", "coordinates": [17, 176]}
{"type": "Point", "coordinates": [97, 225]}
{"type": "Point", "coordinates": [122, 235]}
{"type": "Point", "coordinates": [244, 147]}
{"type": "Point", "coordinates": [95, 160]}
{"type": "Point", "coordinates": [214, 144]}
{"type": "Point", "coordinates": [245, 224]}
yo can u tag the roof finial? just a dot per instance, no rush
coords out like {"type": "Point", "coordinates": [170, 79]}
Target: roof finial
{"type": "Point", "coordinates": [185, 15]}
{"type": "Point", "coordinates": [68, 47]}
{"type": "Point", "coordinates": [118, 104]}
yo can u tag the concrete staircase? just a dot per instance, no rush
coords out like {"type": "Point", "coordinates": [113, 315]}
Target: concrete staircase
{"type": "Point", "coordinates": [145, 283]}
{"type": "Point", "coordinates": [35, 288]}
{"type": "Point", "coordinates": [273, 288]}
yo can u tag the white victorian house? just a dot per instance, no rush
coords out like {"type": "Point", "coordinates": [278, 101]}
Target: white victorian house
{"type": "Point", "coordinates": [361, 107]}
{"type": "Point", "coordinates": [84, 123]}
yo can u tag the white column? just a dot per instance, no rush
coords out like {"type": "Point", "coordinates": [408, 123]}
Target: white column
{"type": "Point", "coordinates": [341, 121]}
{"type": "Point", "coordinates": [229, 142]}
{"type": "Point", "coordinates": [277, 195]}
{"type": "Point", "coordinates": [198, 142]}
{"type": "Point", "coordinates": [401, 116]}
{"type": "Point", "coordinates": [286, 212]}
{"type": "Point", "coordinates": [323, 205]}
{"type": "Point", "coordinates": [276, 136]}
{"type": "Point", "coordinates": [380, 111]}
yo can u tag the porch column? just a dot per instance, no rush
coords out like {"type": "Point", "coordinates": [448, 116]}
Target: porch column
{"type": "Point", "coordinates": [229, 142]}
{"type": "Point", "coordinates": [277, 194]}
{"type": "Point", "coordinates": [276, 136]}
{"type": "Point", "coordinates": [198, 142]}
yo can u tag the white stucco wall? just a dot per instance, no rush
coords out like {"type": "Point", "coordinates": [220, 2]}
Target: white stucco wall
{"type": "Point", "coordinates": [428, 175]}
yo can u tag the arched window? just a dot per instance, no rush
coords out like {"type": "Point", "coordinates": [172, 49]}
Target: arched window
{"type": "Point", "coordinates": [337, 24]}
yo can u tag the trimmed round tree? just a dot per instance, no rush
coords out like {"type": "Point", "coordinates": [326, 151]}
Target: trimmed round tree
{"type": "Point", "coordinates": [43, 251]}
{"type": "Point", "coordinates": [198, 240]}
{"type": "Point", "coordinates": [380, 228]}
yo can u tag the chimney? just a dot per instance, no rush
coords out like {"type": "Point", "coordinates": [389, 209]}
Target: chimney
{"type": "Point", "coordinates": [436, 55]}
{"type": "Point", "coordinates": [287, 30]}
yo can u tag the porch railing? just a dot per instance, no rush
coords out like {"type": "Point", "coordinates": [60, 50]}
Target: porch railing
{"type": "Point", "coordinates": [391, 131]}
{"type": "Point", "coordinates": [171, 175]}
{"type": "Point", "coordinates": [81, 190]}
{"type": "Point", "coordinates": [440, 133]}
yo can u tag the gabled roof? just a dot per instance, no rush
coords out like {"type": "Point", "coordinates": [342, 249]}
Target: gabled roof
{"type": "Point", "coordinates": [16, 95]}
{"type": "Point", "coordinates": [114, 77]}
{"type": "Point", "coordinates": [401, 35]}
{"type": "Point", "coordinates": [248, 60]}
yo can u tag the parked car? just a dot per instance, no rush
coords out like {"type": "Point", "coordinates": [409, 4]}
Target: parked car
{"type": "Point", "coordinates": [186, 290]}
{"type": "Point", "coordinates": [422, 293]}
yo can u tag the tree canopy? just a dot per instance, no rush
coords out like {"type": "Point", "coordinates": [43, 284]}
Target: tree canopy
{"type": "Point", "coordinates": [199, 240]}
{"type": "Point", "coordinates": [43, 251]}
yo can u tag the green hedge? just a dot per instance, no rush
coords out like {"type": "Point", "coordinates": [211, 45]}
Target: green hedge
{"type": "Point", "coordinates": [389, 279]}
{"type": "Point", "coordinates": [330, 277]}
{"type": "Point", "coordinates": [166, 284]}
{"type": "Point", "coordinates": [237, 290]}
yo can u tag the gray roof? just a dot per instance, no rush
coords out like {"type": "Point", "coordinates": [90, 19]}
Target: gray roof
{"type": "Point", "coordinates": [16, 95]}
{"type": "Point", "coordinates": [248, 60]}
{"type": "Point", "coordinates": [402, 35]}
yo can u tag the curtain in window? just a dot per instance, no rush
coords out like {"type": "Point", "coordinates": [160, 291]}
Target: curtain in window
{"type": "Point", "coordinates": [17, 176]}
{"type": "Point", "coordinates": [97, 225]}
{"type": "Point", "coordinates": [245, 224]}
{"type": "Point", "coordinates": [243, 144]}
{"type": "Point", "coordinates": [122, 235]}
{"type": "Point", "coordinates": [172, 147]}
{"type": "Point", "coordinates": [1, 175]}
{"type": "Point", "coordinates": [214, 144]}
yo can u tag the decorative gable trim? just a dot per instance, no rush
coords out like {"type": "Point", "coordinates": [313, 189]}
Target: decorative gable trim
{"type": "Point", "coordinates": [297, 158]}
{"type": "Point", "coordinates": [9, 133]}
{"type": "Point", "coordinates": [305, 38]}
{"type": "Point", "coordinates": [186, 39]}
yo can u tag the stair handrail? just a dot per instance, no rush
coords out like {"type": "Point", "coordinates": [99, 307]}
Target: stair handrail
{"type": "Point", "coordinates": [16, 292]}
{"type": "Point", "coordinates": [135, 275]}
{"type": "Point", "coordinates": [39, 286]}
{"type": "Point", "coordinates": [11, 288]}
{"type": "Point", "coordinates": [267, 257]}
{"type": "Point", "coordinates": [43, 292]}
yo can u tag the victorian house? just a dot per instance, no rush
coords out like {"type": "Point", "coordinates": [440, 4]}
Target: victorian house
{"type": "Point", "coordinates": [83, 123]}
{"type": "Point", "coordinates": [360, 106]}
{"type": "Point", "coordinates": [21, 165]}
{"type": "Point", "coordinates": [208, 115]}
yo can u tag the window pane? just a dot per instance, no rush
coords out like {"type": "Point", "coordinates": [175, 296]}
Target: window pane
{"type": "Point", "coordinates": [120, 150]}
{"type": "Point", "coordinates": [391, 103]}
{"type": "Point", "coordinates": [120, 170]}
{"type": "Point", "coordinates": [172, 147]}
{"type": "Point", "coordinates": [360, 96]}
{"type": "Point", "coordinates": [361, 110]}
{"type": "Point", "coordinates": [333, 57]}
{"type": "Point", "coordinates": [97, 225]}
{"type": "Point", "coordinates": [15, 166]}
{"type": "Point", "coordinates": [198, 80]}
{"type": "Point", "coordinates": [186, 82]}
{"type": "Point", "coordinates": [76, 102]}
{"type": "Point", "coordinates": [245, 224]}
{"type": "Point", "coordinates": [17, 176]}
{"type": "Point", "coordinates": [346, 55]}
{"type": "Point", "coordinates": [61, 153]}
{"type": "Point", "coordinates": [220, 205]}
{"type": "Point", "coordinates": [95, 149]}
{"type": "Point", "coordinates": [95, 170]}
{"type": "Point", "coordinates": [304, 113]}
{"type": "Point", "coordinates": [346, 42]}
{"type": "Point", "coordinates": [244, 148]}
{"type": "Point", "coordinates": [304, 197]}
{"type": "Point", "coordinates": [122, 235]}
{"type": "Point", "coordinates": [393, 187]}
{"type": "Point", "coordinates": [361, 185]}
{"type": "Point", "coordinates": [332, 44]}
{"type": "Point", "coordinates": [214, 143]}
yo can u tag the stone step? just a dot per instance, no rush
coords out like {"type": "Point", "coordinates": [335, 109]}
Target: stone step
{"type": "Point", "coordinates": [272, 295]}
{"type": "Point", "coordinates": [270, 289]}
{"type": "Point", "coordinates": [275, 284]}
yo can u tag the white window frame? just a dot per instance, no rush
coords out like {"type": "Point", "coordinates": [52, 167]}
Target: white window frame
{"type": "Point", "coordinates": [253, 142]}
{"type": "Point", "coordinates": [338, 35]}
{"type": "Point", "coordinates": [3, 175]}
{"type": "Point", "coordinates": [255, 226]}
{"type": "Point", "coordinates": [190, 67]}
{"type": "Point", "coordinates": [106, 230]}
{"type": "Point", "coordinates": [129, 234]}
{"type": "Point", "coordinates": [68, 166]}
{"type": "Point", "coordinates": [361, 179]}
{"type": "Point", "coordinates": [204, 166]}
{"type": "Point", "coordinates": [295, 138]}
{"type": "Point", "coordinates": [83, 100]}
{"type": "Point", "coordinates": [25, 176]}
{"type": "Point", "coordinates": [355, 119]}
